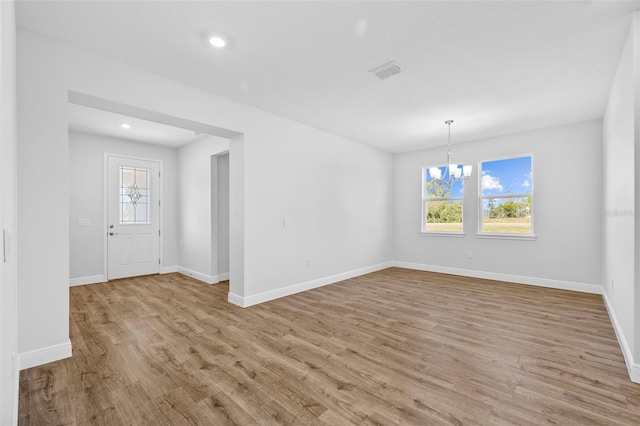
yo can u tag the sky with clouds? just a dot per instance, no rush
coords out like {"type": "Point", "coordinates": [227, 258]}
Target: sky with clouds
{"type": "Point", "coordinates": [508, 176]}
{"type": "Point", "coordinates": [499, 177]}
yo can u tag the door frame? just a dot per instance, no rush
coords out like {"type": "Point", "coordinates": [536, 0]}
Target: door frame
{"type": "Point", "coordinates": [105, 208]}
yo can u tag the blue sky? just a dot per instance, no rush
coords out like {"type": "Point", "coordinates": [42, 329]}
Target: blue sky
{"type": "Point", "coordinates": [499, 177]}
{"type": "Point", "coordinates": [508, 176]}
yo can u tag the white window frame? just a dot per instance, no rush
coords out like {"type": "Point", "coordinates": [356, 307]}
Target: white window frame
{"type": "Point", "coordinates": [425, 200]}
{"type": "Point", "coordinates": [481, 198]}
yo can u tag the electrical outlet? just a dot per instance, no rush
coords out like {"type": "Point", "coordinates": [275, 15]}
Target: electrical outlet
{"type": "Point", "coordinates": [470, 255]}
{"type": "Point", "coordinates": [612, 284]}
{"type": "Point", "coordinates": [285, 222]}
{"type": "Point", "coordinates": [308, 263]}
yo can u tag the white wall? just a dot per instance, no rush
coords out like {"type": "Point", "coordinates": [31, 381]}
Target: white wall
{"type": "Point", "coordinates": [336, 197]}
{"type": "Point", "coordinates": [336, 193]}
{"type": "Point", "coordinates": [198, 250]}
{"type": "Point", "coordinates": [8, 215]}
{"type": "Point", "coordinates": [86, 201]}
{"type": "Point", "coordinates": [43, 209]}
{"type": "Point", "coordinates": [567, 211]}
{"type": "Point", "coordinates": [621, 182]}
{"type": "Point", "coordinates": [237, 204]}
{"type": "Point", "coordinates": [221, 182]}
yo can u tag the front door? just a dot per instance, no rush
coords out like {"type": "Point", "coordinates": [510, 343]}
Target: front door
{"type": "Point", "coordinates": [133, 222]}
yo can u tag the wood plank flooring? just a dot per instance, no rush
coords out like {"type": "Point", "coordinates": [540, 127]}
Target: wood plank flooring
{"type": "Point", "coordinates": [392, 347]}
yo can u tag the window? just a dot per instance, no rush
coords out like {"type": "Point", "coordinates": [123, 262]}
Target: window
{"type": "Point", "coordinates": [134, 195]}
{"type": "Point", "coordinates": [441, 203]}
{"type": "Point", "coordinates": [506, 196]}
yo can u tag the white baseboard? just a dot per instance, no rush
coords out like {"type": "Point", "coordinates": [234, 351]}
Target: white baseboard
{"type": "Point", "coordinates": [168, 269]}
{"type": "Point", "coordinates": [223, 276]}
{"type": "Point", "coordinates": [236, 300]}
{"type": "Point", "coordinates": [44, 355]}
{"type": "Point", "coordinates": [632, 367]}
{"type": "Point", "coordinates": [247, 301]}
{"type": "Point", "coordinates": [209, 279]}
{"type": "Point", "coordinates": [93, 279]}
{"type": "Point", "coordinates": [518, 279]}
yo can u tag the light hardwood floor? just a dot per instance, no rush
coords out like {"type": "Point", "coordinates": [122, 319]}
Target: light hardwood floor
{"type": "Point", "coordinates": [392, 347]}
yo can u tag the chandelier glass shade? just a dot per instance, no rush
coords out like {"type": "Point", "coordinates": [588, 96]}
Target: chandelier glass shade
{"type": "Point", "coordinates": [453, 170]}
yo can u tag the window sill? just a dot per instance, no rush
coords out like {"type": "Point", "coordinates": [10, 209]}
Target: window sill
{"type": "Point", "coordinates": [522, 237]}
{"type": "Point", "coordinates": [443, 234]}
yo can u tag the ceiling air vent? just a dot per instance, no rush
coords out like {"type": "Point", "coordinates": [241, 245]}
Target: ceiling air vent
{"type": "Point", "coordinates": [386, 70]}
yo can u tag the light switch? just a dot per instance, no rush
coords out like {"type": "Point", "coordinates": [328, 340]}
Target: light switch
{"type": "Point", "coordinates": [84, 222]}
{"type": "Point", "coordinates": [6, 244]}
{"type": "Point", "coordinates": [285, 222]}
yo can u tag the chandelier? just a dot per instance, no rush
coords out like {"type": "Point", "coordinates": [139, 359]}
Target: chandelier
{"type": "Point", "coordinates": [453, 170]}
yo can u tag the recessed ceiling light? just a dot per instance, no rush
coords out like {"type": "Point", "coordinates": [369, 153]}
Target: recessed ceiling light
{"type": "Point", "coordinates": [218, 42]}
{"type": "Point", "coordinates": [125, 126]}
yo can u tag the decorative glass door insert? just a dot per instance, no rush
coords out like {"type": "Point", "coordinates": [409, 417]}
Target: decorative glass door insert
{"type": "Point", "coordinates": [135, 195]}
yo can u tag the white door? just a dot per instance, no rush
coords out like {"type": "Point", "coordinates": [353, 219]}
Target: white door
{"type": "Point", "coordinates": [133, 222]}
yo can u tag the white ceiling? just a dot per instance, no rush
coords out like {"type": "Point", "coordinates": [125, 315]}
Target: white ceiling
{"type": "Point", "coordinates": [100, 122]}
{"type": "Point", "coordinates": [494, 67]}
